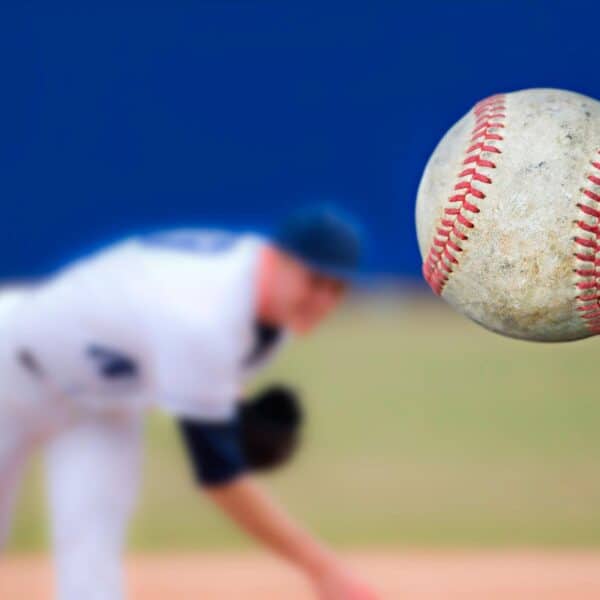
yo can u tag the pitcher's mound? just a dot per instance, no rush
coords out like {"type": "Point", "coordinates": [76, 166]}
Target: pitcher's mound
{"type": "Point", "coordinates": [404, 575]}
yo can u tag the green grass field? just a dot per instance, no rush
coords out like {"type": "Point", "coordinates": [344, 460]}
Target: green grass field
{"type": "Point", "coordinates": [424, 430]}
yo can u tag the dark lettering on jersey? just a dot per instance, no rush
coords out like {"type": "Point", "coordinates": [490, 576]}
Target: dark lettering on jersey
{"type": "Point", "coordinates": [112, 363]}
{"type": "Point", "coordinates": [209, 242]}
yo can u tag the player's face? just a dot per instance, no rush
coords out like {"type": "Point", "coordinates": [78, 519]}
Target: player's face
{"type": "Point", "coordinates": [310, 298]}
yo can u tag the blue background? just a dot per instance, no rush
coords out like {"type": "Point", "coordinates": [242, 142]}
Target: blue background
{"type": "Point", "coordinates": [116, 117]}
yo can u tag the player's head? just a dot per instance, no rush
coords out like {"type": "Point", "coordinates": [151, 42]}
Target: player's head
{"type": "Point", "coordinates": [306, 270]}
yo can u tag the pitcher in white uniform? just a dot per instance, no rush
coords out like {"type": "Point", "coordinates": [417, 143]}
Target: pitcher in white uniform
{"type": "Point", "coordinates": [178, 320]}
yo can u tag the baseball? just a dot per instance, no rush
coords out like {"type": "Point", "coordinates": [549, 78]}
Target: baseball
{"type": "Point", "coordinates": [508, 215]}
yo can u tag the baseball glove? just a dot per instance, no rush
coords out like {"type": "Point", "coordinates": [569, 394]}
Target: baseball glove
{"type": "Point", "coordinates": [271, 423]}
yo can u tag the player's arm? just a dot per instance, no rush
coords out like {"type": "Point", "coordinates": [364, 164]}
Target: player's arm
{"type": "Point", "coordinates": [222, 468]}
{"type": "Point", "coordinates": [223, 456]}
{"type": "Point", "coordinates": [247, 503]}
{"type": "Point", "coordinates": [257, 514]}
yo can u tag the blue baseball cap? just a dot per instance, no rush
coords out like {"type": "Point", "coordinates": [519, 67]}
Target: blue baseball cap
{"type": "Point", "coordinates": [326, 239]}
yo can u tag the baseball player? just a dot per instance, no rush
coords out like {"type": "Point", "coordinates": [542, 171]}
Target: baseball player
{"type": "Point", "coordinates": [179, 320]}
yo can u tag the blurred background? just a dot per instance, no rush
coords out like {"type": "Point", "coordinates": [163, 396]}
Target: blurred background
{"type": "Point", "coordinates": [424, 430]}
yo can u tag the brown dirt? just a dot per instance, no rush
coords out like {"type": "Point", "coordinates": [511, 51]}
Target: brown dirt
{"type": "Point", "coordinates": [415, 576]}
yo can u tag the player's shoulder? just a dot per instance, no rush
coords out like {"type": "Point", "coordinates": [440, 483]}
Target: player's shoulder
{"type": "Point", "coordinates": [196, 242]}
{"type": "Point", "coordinates": [176, 253]}
{"type": "Point", "coordinates": [177, 242]}
{"type": "Point", "coordinates": [205, 279]}
{"type": "Point", "coordinates": [200, 241]}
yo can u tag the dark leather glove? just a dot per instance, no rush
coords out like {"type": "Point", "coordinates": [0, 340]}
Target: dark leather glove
{"type": "Point", "coordinates": [270, 424]}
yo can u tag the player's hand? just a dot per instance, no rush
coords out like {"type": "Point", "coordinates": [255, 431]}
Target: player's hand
{"type": "Point", "coordinates": [339, 583]}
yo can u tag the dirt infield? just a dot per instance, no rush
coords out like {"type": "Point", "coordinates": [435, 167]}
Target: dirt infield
{"type": "Point", "coordinates": [414, 576]}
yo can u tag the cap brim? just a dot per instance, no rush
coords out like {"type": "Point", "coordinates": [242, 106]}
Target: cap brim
{"type": "Point", "coordinates": [347, 276]}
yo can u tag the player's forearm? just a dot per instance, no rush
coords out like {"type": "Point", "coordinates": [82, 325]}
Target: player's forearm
{"type": "Point", "coordinates": [247, 504]}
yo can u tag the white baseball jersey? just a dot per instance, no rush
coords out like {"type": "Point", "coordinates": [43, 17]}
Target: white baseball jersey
{"type": "Point", "coordinates": [167, 319]}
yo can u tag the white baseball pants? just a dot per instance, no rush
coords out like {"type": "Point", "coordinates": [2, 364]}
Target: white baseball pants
{"type": "Point", "coordinates": [92, 465]}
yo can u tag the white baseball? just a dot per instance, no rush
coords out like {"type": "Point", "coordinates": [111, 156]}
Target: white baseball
{"type": "Point", "coordinates": [508, 215]}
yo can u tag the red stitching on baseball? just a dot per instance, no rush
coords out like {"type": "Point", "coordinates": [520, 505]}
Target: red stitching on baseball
{"type": "Point", "coordinates": [588, 302]}
{"type": "Point", "coordinates": [595, 197]}
{"type": "Point", "coordinates": [589, 211]}
{"type": "Point", "coordinates": [450, 234]}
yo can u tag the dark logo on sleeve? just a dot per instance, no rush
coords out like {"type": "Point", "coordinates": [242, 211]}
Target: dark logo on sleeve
{"type": "Point", "coordinates": [112, 364]}
{"type": "Point", "coordinates": [29, 361]}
